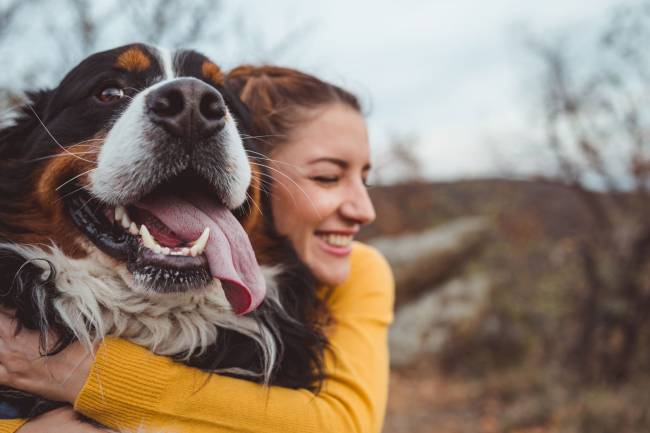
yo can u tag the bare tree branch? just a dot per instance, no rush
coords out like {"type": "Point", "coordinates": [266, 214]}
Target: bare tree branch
{"type": "Point", "coordinates": [597, 126]}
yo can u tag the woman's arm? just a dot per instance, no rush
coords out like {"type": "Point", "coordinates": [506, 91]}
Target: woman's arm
{"type": "Point", "coordinates": [22, 367]}
{"type": "Point", "coordinates": [61, 420]}
{"type": "Point", "coordinates": [11, 425]}
{"type": "Point", "coordinates": [128, 387]}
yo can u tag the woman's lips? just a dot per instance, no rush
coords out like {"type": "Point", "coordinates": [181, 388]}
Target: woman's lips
{"type": "Point", "coordinates": [336, 243]}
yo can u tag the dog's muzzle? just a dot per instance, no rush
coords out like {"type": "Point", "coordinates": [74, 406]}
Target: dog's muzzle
{"type": "Point", "coordinates": [188, 109]}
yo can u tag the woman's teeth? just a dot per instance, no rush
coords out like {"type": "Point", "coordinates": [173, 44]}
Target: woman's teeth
{"type": "Point", "coordinates": [337, 240]}
{"type": "Point", "coordinates": [196, 249]}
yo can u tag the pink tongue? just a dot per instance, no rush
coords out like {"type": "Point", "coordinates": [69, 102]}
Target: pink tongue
{"type": "Point", "coordinates": [229, 252]}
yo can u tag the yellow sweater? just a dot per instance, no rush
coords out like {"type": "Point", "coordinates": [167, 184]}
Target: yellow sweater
{"type": "Point", "coordinates": [130, 388]}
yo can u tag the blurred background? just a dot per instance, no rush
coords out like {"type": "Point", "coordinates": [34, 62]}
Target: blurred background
{"type": "Point", "coordinates": [511, 147]}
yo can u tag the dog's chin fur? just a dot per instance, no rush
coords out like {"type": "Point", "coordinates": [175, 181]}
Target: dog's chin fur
{"type": "Point", "coordinates": [94, 301]}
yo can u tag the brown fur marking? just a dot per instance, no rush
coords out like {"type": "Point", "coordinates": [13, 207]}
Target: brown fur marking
{"type": "Point", "coordinates": [212, 72]}
{"type": "Point", "coordinates": [45, 218]}
{"type": "Point", "coordinates": [133, 60]}
{"type": "Point", "coordinates": [254, 201]}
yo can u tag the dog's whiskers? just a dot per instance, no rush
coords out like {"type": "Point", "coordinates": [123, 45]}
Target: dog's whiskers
{"type": "Point", "coordinates": [313, 205]}
{"type": "Point", "coordinates": [59, 155]}
{"type": "Point", "coordinates": [88, 140]}
{"type": "Point", "coordinates": [73, 178]}
{"type": "Point", "coordinates": [263, 157]}
{"type": "Point", "coordinates": [268, 183]}
{"type": "Point", "coordinates": [250, 137]}
{"type": "Point", "coordinates": [52, 137]}
{"type": "Point", "coordinates": [275, 161]}
{"type": "Point", "coordinates": [254, 203]}
{"type": "Point", "coordinates": [63, 197]}
{"type": "Point", "coordinates": [95, 149]}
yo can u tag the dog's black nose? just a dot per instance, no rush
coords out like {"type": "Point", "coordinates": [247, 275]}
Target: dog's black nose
{"type": "Point", "coordinates": [187, 108]}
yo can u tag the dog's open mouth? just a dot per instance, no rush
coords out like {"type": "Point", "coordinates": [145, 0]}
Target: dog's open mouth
{"type": "Point", "coordinates": [175, 239]}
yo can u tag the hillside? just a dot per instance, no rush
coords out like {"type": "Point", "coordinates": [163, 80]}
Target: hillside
{"type": "Point", "coordinates": [500, 367]}
{"type": "Point", "coordinates": [533, 208]}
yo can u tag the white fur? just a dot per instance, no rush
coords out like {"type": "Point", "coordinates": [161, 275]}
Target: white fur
{"type": "Point", "coordinates": [11, 108]}
{"type": "Point", "coordinates": [92, 292]}
{"type": "Point", "coordinates": [166, 59]}
{"type": "Point", "coordinates": [237, 185]}
{"type": "Point", "coordinates": [8, 117]}
{"type": "Point", "coordinates": [127, 166]}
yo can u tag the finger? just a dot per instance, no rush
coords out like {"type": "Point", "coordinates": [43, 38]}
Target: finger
{"type": "Point", "coordinates": [65, 412]}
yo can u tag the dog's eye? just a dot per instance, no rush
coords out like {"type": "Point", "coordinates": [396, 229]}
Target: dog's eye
{"type": "Point", "coordinates": [110, 94]}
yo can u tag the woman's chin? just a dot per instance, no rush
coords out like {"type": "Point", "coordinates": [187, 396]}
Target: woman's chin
{"type": "Point", "coordinates": [330, 269]}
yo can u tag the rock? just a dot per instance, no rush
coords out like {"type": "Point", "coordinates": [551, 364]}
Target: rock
{"type": "Point", "coordinates": [423, 325]}
{"type": "Point", "coordinates": [426, 259]}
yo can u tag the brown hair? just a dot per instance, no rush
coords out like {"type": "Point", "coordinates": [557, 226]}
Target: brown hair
{"type": "Point", "coordinates": [277, 96]}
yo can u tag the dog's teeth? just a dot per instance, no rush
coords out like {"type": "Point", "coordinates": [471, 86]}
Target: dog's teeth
{"type": "Point", "coordinates": [147, 239]}
{"type": "Point", "coordinates": [119, 212]}
{"type": "Point", "coordinates": [133, 229]}
{"type": "Point", "coordinates": [180, 252]}
{"type": "Point", "coordinates": [126, 221]}
{"type": "Point", "coordinates": [122, 216]}
{"type": "Point", "coordinates": [200, 243]}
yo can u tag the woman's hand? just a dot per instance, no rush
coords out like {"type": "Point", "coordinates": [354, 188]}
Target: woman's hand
{"type": "Point", "coordinates": [58, 377]}
{"type": "Point", "coordinates": [58, 421]}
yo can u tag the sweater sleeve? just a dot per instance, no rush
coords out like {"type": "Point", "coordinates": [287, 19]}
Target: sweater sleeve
{"type": "Point", "coordinates": [130, 388]}
{"type": "Point", "coordinates": [11, 425]}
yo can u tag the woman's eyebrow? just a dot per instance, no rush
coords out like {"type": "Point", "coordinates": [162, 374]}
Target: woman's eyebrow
{"type": "Point", "coordinates": [340, 162]}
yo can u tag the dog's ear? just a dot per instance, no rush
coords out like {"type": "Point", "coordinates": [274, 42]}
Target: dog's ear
{"type": "Point", "coordinates": [246, 213]}
{"type": "Point", "coordinates": [21, 117]}
{"type": "Point", "coordinates": [237, 108]}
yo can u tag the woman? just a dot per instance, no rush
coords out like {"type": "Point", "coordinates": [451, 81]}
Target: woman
{"type": "Point", "coordinates": [316, 139]}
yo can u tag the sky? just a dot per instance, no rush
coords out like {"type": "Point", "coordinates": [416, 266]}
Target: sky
{"type": "Point", "coordinates": [452, 76]}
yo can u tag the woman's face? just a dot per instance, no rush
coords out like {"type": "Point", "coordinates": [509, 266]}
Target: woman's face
{"type": "Point", "coordinates": [319, 197]}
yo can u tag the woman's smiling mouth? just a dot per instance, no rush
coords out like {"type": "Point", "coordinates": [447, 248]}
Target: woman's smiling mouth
{"type": "Point", "coordinates": [336, 243]}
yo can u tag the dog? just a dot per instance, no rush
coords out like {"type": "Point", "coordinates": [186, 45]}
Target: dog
{"type": "Point", "coordinates": [124, 197]}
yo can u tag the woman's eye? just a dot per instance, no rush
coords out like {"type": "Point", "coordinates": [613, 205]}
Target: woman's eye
{"type": "Point", "coordinates": [326, 179]}
{"type": "Point", "coordinates": [110, 94]}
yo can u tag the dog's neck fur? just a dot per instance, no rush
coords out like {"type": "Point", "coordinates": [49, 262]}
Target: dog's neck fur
{"type": "Point", "coordinates": [94, 302]}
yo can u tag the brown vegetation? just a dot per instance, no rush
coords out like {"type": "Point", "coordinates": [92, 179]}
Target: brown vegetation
{"type": "Point", "coordinates": [505, 369]}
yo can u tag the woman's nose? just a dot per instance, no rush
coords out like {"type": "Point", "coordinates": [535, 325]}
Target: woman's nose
{"type": "Point", "coordinates": [358, 207]}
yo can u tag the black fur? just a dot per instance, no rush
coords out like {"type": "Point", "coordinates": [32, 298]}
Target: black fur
{"type": "Point", "coordinates": [299, 338]}
{"type": "Point", "coordinates": [20, 280]}
{"type": "Point", "coordinates": [71, 118]}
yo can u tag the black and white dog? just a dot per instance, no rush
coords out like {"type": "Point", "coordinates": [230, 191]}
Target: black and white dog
{"type": "Point", "coordinates": [123, 193]}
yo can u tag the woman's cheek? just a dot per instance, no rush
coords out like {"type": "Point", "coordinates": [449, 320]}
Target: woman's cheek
{"type": "Point", "coordinates": [311, 206]}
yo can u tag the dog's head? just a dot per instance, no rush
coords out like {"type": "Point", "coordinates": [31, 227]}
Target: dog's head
{"type": "Point", "coordinates": [135, 158]}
